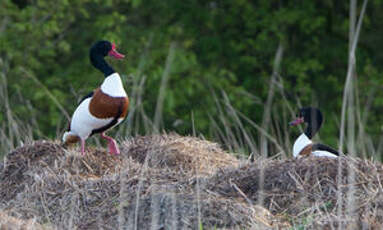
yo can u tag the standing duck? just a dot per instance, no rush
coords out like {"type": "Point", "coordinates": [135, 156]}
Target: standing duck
{"type": "Point", "coordinates": [103, 108]}
{"type": "Point", "coordinates": [303, 146]}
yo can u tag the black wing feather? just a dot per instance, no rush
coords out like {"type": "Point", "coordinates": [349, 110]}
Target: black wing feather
{"type": "Point", "coordinates": [319, 146]}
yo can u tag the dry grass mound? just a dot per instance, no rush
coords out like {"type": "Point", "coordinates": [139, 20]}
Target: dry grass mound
{"type": "Point", "coordinates": [322, 191]}
{"type": "Point", "coordinates": [168, 181]}
{"type": "Point", "coordinates": [64, 190]}
{"type": "Point", "coordinates": [187, 211]}
{"type": "Point", "coordinates": [183, 154]}
{"type": "Point", "coordinates": [11, 223]}
{"type": "Point", "coordinates": [31, 163]}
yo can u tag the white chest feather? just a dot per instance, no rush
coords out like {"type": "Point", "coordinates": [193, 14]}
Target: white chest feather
{"type": "Point", "coordinates": [112, 86]}
{"type": "Point", "coordinates": [301, 142]}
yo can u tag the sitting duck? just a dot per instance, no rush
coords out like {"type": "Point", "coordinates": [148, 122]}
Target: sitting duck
{"type": "Point", "coordinates": [303, 146]}
{"type": "Point", "coordinates": [105, 107]}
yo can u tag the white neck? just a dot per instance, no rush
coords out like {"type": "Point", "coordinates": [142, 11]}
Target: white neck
{"type": "Point", "coordinates": [112, 86]}
{"type": "Point", "coordinates": [301, 142]}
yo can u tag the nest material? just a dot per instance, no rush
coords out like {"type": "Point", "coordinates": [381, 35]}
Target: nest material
{"type": "Point", "coordinates": [11, 223]}
{"type": "Point", "coordinates": [183, 154]}
{"type": "Point", "coordinates": [65, 190]}
{"type": "Point", "coordinates": [165, 210]}
{"type": "Point", "coordinates": [168, 180]}
{"type": "Point", "coordinates": [327, 191]}
{"type": "Point", "coordinates": [34, 163]}
{"type": "Point", "coordinates": [187, 211]}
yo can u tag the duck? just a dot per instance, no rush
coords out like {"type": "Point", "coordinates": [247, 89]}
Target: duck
{"type": "Point", "coordinates": [103, 108]}
{"type": "Point", "coordinates": [303, 145]}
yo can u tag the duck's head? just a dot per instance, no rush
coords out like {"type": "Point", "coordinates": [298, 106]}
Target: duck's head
{"type": "Point", "coordinates": [104, 48]}
{"type": "Point", "coordinates": [97, 53]}
{"type": "Point", "coordinates": [312, 116]}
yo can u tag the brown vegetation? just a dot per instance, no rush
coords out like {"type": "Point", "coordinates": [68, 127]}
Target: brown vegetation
{"type": "Point", "coordinates": [174, 182]}
{"type": "Point", "coordinates": [11, 223]}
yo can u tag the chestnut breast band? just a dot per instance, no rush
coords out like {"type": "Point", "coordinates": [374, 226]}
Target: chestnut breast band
{"type": "Point", "coordinates": [104, 106]}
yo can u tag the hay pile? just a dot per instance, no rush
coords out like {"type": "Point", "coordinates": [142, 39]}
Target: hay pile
{"type": "Point", "coordinates": [174, 182]}
{"type": "Point", "coordinates": [155, 178]}
{"type": "Point", "coordinates": [30, 165]}
{"type": "Point", "coordinates": [183, 154]}
{"type": "Point", "coordinates": [311, 189]}
{"type": "Point", "coordinates": [11, 223]}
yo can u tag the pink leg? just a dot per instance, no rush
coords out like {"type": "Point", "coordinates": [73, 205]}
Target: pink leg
{"type": "Point", "coordinates": [82, 147]}
{"type": "Point", "coordinates": [113, 148]}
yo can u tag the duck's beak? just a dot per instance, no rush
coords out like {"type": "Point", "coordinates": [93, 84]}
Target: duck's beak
{"type": "Point", "coordinates": [298, 121]}
{"type": "Point", "coordinates": [113, 53]}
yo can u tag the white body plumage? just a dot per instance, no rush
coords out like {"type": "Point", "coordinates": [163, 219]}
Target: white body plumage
{"type": "Point", "coordinates": [83, 122]}
{"type": "Point", "coordinates": [321, 153]}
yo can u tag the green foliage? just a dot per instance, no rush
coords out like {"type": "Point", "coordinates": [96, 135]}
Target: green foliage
{"type": "Point", "coordinates": [220, 45]}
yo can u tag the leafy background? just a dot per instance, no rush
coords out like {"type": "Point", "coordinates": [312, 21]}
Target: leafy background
{"type": "Point", "coordinates": [213, 61]}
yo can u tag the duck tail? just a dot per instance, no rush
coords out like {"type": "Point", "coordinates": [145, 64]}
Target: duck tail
{"type": "Point", "coordinates": [70, 138]}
